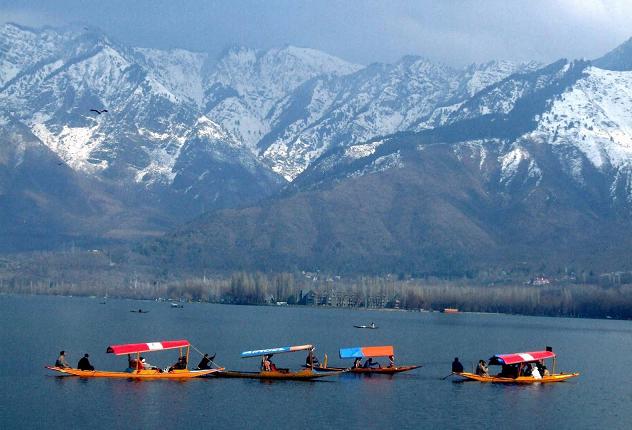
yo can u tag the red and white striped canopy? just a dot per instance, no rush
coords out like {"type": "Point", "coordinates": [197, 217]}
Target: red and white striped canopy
{"type": "Point", "coordinates": [521, 357]}
{"type": "Point", "coordinates": [132, 348]}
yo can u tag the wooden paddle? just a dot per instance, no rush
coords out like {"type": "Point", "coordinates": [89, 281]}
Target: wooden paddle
{"type": "Point", "coordinates": [446, 377]}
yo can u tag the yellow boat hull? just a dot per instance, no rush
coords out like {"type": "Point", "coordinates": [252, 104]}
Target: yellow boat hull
{"type": "Point", "coordinates": [558, 377]}
{"type": "Point", "coordinates": [137, 374]}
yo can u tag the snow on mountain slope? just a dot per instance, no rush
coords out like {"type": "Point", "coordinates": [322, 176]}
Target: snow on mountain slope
{"type": "Point", "coordinates": [153, 128]}
{"type": "Point", "coordinates": [583, 135]}
{"type": "Point", "coordinates": [478, 77]}
{"type": "Point", "coordinates": [595, 115]}
{"type": "Point", "coordinates": [379, 100]}
{"type": "Point", "coordinates": [21, 47]}
{"type": "Point", "coordinates": [245, 84]}
{"type": "Point", "coordinates": [179, 70]}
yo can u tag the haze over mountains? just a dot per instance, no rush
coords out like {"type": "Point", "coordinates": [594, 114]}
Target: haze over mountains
{"type": "Point", "coordinates": [298, 159]}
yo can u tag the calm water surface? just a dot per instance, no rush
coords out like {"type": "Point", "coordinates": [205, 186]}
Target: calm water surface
{"type": "Point", "coordinates": [34, 329]}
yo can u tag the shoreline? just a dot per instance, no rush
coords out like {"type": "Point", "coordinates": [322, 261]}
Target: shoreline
{"type": "Point", "coordinates": [345, 308]}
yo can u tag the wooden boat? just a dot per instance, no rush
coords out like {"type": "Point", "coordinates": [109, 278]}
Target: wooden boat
{"type": "Point", "coordinates": [135, 370]}
{"type": "Point", "coordinates": [362, 370]}
{"type": "Point", "coordinates": [371, 326]}
{"type": "Point", "coordinates": [366, 352]}
{"type": "Point", "coordinates": [140, 311]}
{"type": "Point", "coordinates": [304, 375]}
{"type": "Point", "coordinates": [136, 374]}
{"type": "Point", "coordinates": [519, 380]}
{"type": "Point", "coordinates": [450, 311]}
{"type": "Point", "coordinates": [273, 372]}
{"type": "Point", "coordinates": [513, 366]}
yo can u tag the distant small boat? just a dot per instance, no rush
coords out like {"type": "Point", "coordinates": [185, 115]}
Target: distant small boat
{"type": "Point", "coordinates": [140, 311]}
{"type": "Point", "coordinates": [450, 311]}
{"type": "Point", "coordinates": [176, 305]}
{"type": "Point", "coordinates": [371, 326]}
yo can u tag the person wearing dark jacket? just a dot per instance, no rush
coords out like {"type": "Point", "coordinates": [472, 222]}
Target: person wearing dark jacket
{"type": "Point", "coordinates": [84, 363]}
{"type": "Point", "coordinates": [206, 360]}
{"type": "Point", "coordinates": [457, 367]}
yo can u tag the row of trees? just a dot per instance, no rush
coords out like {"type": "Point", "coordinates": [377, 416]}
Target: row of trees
{"type": "Point", "coordinates": [258, 288]}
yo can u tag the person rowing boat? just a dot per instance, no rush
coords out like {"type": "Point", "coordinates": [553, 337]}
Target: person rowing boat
{"type": "Point", "coordinates": [457, 367]}
{"type": "Point", "coordinates": [205, 362]}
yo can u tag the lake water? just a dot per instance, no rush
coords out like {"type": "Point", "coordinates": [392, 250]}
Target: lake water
{"type": "Point", "coordinates": [34, 329]}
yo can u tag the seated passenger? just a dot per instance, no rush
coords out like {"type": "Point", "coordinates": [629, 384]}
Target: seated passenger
{"type": "Point", "coordinates": [482, 369]}
{"type": "Point", "coordinates": [61, 360]}
{"type": "Point", "coordinates": [370, 363]}
{"type": "Point", "coordinates": [357, 363]}
{"type": "Point", "coordinates": [266, 364]}
{"type": "Point", "coordinates": [146, 366]}
{"type": "Point", "coordinates": [542, 368]}
{"type": "Point", "coordinates": [457, 367]}
{"type": "Point", "coordinates": [181, 364]}
{"type": "Point", "coordinates": [391, 361]}
{"type": "Point", "coordinates": [536, 373]}
{"type": "Point", "coordinates": [84, 363]}
{"type": "Point", "coordinates": [527, 369]}
{"type": "Point", "coordinates": [311, 360]}
{"type": "Point", "coordinates": [273, 367]}
{"type": "Point", "coordinates": [509, 371]}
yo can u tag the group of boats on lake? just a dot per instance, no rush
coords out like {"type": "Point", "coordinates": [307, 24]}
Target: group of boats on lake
{"type": "Point", "coordinates": [313, 369]}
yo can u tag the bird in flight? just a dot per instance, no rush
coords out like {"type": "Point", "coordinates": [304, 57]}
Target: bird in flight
{"type": "Point", "coordinates": [98, 111]}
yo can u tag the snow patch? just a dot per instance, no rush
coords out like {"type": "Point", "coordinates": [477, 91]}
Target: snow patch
{"type": "Point", "coordinates": [361, 151]}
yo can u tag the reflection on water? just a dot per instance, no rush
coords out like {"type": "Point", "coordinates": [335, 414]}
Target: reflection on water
{"type": "Point", "coordinates": [39, 327]}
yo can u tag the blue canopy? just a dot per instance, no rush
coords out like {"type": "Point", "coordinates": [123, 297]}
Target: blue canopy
{"type": "Point", "coordinates": [268, 351]}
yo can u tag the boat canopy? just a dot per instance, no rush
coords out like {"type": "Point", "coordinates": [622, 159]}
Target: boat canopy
{"type": "Point", "coordinates": [367, 351]}
{"type": "Point", "coordinates": [521, 357]}
{"type": "Point", "coordinates": [132, 348]}
{"type": "Point", "coordinates": [268, 351]}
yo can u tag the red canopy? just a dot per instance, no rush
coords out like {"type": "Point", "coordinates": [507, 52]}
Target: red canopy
{"type": "Point", "coordinates": [521, 357]}
{"type": "Point", "coordinates": [132, 348]}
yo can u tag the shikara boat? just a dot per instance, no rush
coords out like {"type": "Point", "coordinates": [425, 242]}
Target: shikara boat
{"type": "Point", "coordinates": [370, 326]}
{"type": "Point", "coordinates": [274, 372]}
{"type": "Point", "coordinates": [513, 366]}
{"type": "Point", "coordinates": [136, 370]}
{"type": "Point", "coordinates": [366, 352]}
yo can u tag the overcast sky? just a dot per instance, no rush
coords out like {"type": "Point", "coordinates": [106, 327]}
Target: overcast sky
{"type": "Point", "coordinates": [455, 32]}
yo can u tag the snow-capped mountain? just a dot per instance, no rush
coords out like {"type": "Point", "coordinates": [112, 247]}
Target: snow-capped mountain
{"type": "Point", "coordinates": [619, 59]}
{"type": "Point", "coordinates": [580, 114]}
{"type": "Point", "coordinates": [537, 178]}
{"type": "Point", "coordinates": [153, 113]}
{"type": "Point", "coordinates": [245, 84]}
{"type": "Point", "coordinates": [378, 100]}
{"type": "Point", "coordinates": [184, 133]}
